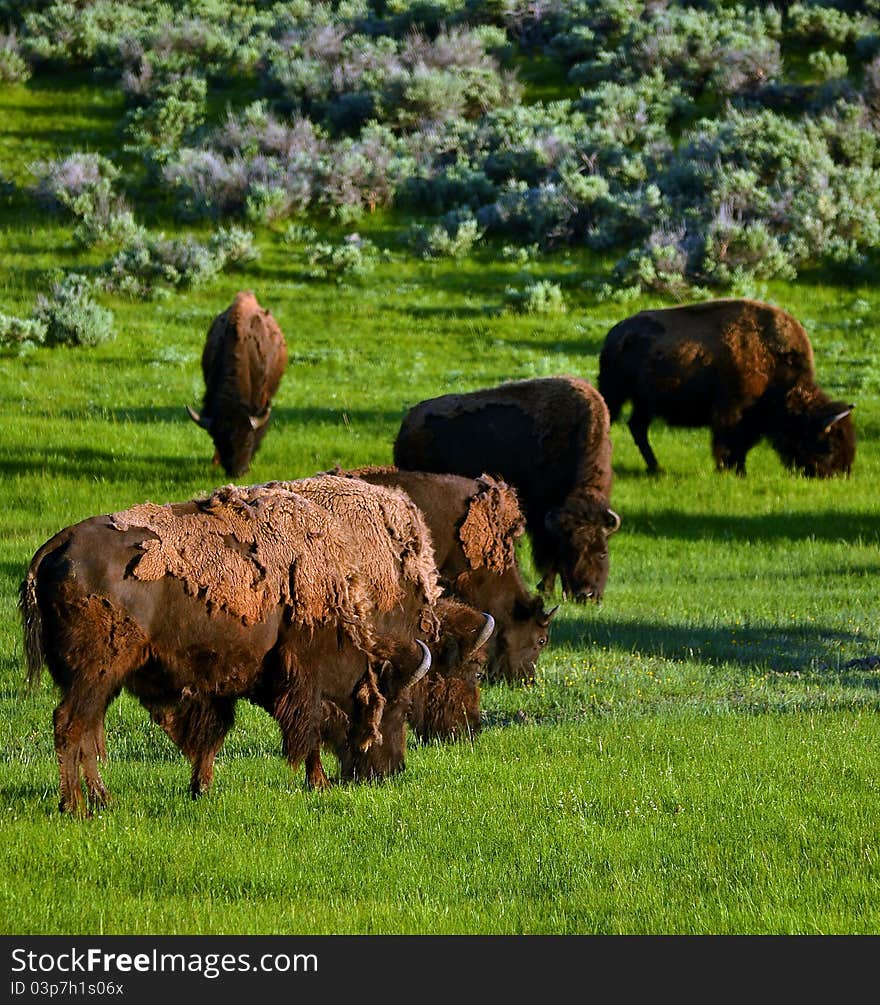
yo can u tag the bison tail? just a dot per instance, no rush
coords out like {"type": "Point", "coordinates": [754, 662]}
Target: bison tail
{"type": "Point", "coordinates": [32, 626]}
{"type": "Point", "coordinates": [29, 607]}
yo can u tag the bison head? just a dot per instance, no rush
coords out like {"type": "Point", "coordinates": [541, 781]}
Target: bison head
{"type": "Point", "coordinates": [371, 742]}
{"type": "Point", "coordinates": [814, 434]}
{"type": "Point", "coordinates": [236, 434]}
{"type": "Point", "coordinates": [525, 634]}
{"type": "Point", "coordinates": [446, 702]}
{"type": "Point", "coordinates": [579, 530]}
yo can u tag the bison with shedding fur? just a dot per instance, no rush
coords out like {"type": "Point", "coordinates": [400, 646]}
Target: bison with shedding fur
{"type": "Point", "coordinates": [548, 438]}
{"type": "Point", "coordinates": [474, 525]}
{"type": "Point", "coordinates": [256, 593]}
{"type": "Point", "coordinates": [445, 702]}
{"type": "Point", "coordinates": [743, 368]}
{"type": "Point", "coordinates": [243, 361]}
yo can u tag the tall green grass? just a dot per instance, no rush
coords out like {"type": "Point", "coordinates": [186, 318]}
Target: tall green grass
{"type": "Point", "coordinates": [699, 754]}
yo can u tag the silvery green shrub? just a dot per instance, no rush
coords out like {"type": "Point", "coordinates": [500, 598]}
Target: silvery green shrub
{"type": "Point", "coordinates": [71, 315]}
{"type": "Point", "coordinates": [536, 297]}
{"type": "Point", "coordinates": [18, 335]}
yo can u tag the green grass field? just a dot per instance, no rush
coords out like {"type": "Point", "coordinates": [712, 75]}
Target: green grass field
{"type": "Point", "coordinates": [698, 755]}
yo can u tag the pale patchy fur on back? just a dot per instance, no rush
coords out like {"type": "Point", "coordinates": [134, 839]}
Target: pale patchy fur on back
{"type": "Point", "coordinates": [246, 550]}
{"type": "Point", "coordinates": [393, 541]}
{"type": "Point", "coordinates": [493, 523]}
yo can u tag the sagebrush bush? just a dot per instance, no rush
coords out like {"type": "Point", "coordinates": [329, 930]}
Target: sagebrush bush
{"type": "Point", "coordinates": [176, 110]}
{"type": "Point", "coordinates": [688, 122]}
{"type": "Point", "coordinates": [151, 262]}
{"type": "Point", "coordinates": [14, 68]}
{"type": "Point", "coordinates": [21, 334]}
{"type": "Point", "coordinates": [72, 316]}
{"type": "Point", "coordinates": [536, 297]}
{"type": "Point", "coordinates": [352, 258]}
{"type": "Point", "coordinates": [453, 237]}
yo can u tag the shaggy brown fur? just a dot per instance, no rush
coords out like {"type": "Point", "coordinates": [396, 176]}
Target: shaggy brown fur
{"type": "Point", "coordinates": [395, 544]}
{"type": "Point", "coordinates": [450, 629]}
{"type": "Point", "coordinates": [128, 601]}
{"type": "Point", "coordinates": [548, 438]}
{"type": "Point", "coordinates": [743, 368]}
{"type": "Point", "coordinates": [243, 361]}
{"type": "Point", "coordinates": [474, 525]}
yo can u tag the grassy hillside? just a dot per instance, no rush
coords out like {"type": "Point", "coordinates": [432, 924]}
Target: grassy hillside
{"type": "Point", "coordinates": [698, 754]}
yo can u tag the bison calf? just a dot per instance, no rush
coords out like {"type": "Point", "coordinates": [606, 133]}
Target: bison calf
{"type": "Point", "coordinates": [243, 361]}
{"type": "Point", "coordinates": [743, 368]}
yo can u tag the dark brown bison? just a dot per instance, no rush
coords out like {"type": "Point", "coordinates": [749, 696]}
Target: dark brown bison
{"type": "Point", "coordinates": [242, 363]}
{"type": "Point", "coordinates": [474, 525]}
{"type": "Point", "coordinates": [257, 593]}
{"type": "Point", "coordinates": [742, 368]}
{"type": "Point", "coordinates": [548, 437]}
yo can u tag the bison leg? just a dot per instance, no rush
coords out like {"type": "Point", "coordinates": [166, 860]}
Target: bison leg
{"type": "Point", "coordinates": [79, 740]}
{"type": "Point", "coordinates": [732, 441]}
{"type": "Point", "coordinates": [198, 727]}
{"type": "Point", "coordinates": [316, 777]}
{"type": "Point", "coordinates": [294, 701]}
{"type": "Point", "coordinates": [638, 425]}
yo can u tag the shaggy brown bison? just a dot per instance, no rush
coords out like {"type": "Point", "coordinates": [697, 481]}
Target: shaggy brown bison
{"type": "Point", "coordinates": [548, 437]}
{"type": "Point", "coordinates": [448, 705]}
{"type": "Point", "coordinates": [253, 592]}
{"type": "Point", "coordinates": [742, 368]}
{"type": "Point", "coordinates": [474, 525]}
{"type": "Point", "coordinates": [442, 704]}
{"type": "Point", "coordinates": [242, 363]}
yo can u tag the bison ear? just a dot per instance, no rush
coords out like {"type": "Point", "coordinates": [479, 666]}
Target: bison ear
{"type": "Point", "coordinates": [836, 418]}
{"type": "Point", "coordinates": [199, 420]}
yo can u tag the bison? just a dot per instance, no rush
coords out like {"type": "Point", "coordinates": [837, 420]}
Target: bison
{"type": "Point", "coordinates": [441, 704]}
{"type": "Point", "coordinates": [256, 593]}
{"type": "Point", "coordinates": [743, 368]}
{"type": "Point", "coordinates": [474, 525]}
{"type": "Point", "coordinates": [243, 361]}
{"type": "Point", "coordinates": [448, 705]}
{"type": "Point", "coordinates": [547, 437]}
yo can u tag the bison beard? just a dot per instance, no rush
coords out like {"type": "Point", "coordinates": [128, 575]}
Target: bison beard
{"type": "Point", "coordinates": [549, 439]}
{"type": "Point", "coordinates": [743, 368]}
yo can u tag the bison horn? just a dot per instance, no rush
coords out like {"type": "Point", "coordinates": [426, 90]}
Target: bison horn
{"type": "Point", "coordinates": [613, 521]}
{"type": "Point", "coordinates": [486, 632]}
{"type": "Point", "coordinates": [260, 420]}
{"type": "Point", "coordinates": [837, 418]}
{"type": "Point", "coordinates": [199, 420]}
{"type": "Point", "coordinates": [424, 666]}
{"type": "Point", "coordinates": [547, 615]}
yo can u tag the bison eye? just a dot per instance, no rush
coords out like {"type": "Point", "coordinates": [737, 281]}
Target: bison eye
{"type": "Point", "coordinates": [542, 641]}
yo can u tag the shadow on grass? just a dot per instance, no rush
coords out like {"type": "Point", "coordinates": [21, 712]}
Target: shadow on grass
{"type": "Point", "coordinates": [824, 525]}
{"type": "Point", "coordinates": [84, 461]}
{"type": "Point", "coordinates": [801, 647]}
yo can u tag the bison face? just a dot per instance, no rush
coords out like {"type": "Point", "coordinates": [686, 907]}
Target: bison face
{"type": "Point", "coordinates": [580, 532]}
{"type": "Point", "coordinates": [522, 641]}
{"type": "Point", "coordinates": [446, 703]}
{"type": "Point", "coordinates": [237, 435]}
{"type": "Point", "coordinates": [816, 436]}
